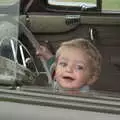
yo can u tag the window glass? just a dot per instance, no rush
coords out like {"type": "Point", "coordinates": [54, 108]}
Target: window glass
{"type": "Point", "coordinates": [24, 58]}
{"type": "Point", "coordinates": [106, 4]}
{"type": "Point", "coordinates": [71, 2]}
{"type": "Point", "coordinates": [7, 2]}
{"type": "Point", "coordinates": [111, 5]}
{"type": "Point", "coordinates": [91, 1]}
{"type": "Point", "coordinates": [6, 49]}
{"type": "Point", "coordinates": [9, 13]}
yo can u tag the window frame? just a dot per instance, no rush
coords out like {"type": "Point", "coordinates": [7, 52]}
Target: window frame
{"type": "Point", "coordinates": [73, 9]}
{"type": "Point", "coordinates": [99, 9]}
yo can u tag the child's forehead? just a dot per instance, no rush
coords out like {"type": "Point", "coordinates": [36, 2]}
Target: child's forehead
{"type": "Point", "coordinates": [70, 48]}
{"type": "Point", "coordinates": [72, 60]}
{"type": "Point", "coordinates": [73, 51]}
{"type": "Point", "coordinates": [73, 57]}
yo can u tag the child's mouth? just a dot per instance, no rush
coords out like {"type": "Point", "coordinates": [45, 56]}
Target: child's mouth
{"type": "Point", "coordinates": [68, 78]}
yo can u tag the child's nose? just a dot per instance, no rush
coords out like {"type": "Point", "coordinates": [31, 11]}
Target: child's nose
{"type": "Point", "coordinates": [69, 69]}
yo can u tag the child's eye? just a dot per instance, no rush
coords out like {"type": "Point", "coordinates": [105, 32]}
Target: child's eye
{"type": "Point", "coordinates": [63, 64]}
{"type": "Point", "coordinates": [79, 67]}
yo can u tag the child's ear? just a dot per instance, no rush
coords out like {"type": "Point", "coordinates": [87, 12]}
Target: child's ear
{"type": "Point", "coordinates": [92, 80]}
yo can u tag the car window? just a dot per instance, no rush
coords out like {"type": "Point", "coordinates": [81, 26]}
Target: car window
{"type": "Point", "coordinates": [7, 2]}
{"type": "Point", "coordinates": [72, 2]}
{"type": "Point", "coordinates": [111, 5]}
{"type": "Point", "coordinates": [17, 52]}
{"type": "Point", "coordinates": [81, 5]}
{"type": "Point", "coordinates": [24, 58]}
{"type": "Point", "coordinates": [9, 12]}
{"type": "Point", "coordinates": [6, 49]}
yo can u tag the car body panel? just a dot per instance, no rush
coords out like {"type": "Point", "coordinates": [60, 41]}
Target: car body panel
{"type": "Point", "coordinates": [36, 112]}
{"type": "Point", "coordinates": [90, 102]}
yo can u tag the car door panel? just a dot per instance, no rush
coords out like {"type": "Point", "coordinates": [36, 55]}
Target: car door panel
{"type": "Point", "coordinates": [49, 23]}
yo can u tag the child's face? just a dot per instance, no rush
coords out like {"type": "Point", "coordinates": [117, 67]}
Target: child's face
{"type": "Point", "coordinates": [72, 69]}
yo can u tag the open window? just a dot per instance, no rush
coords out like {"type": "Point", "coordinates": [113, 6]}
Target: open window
{"type": "Point", "coordinates": [75, 5]}
{"type": "Point", "coordinates": [83, 6]}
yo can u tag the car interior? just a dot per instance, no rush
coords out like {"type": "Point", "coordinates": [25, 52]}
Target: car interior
{"type": "Point", "coordinates": [52, 25]}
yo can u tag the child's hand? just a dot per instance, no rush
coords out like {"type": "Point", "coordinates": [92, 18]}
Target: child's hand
{"type": "Point", "coordinates": [44, 52]}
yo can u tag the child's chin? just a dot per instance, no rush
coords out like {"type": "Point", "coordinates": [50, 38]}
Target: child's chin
{"type": "Point", "coordinates": [70, 88]}
{"type": "Point", "coordinates": [70, 85]}
{"type": "Point", "coordinates": [67, 86]}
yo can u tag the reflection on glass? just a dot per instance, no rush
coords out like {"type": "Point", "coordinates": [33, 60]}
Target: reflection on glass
{"type": "Point", "coordinates": [76, 3]}
{"type": "Point", "coordinates": [106, 4]}
{"type": "Point", "coordinates": [111, 5]}
{"type": "Point", "coordinates": [6, 50]}
{"type": "Point", "coordinates": [7, 2]}
{"type": "Point", "coordinates": [90, 1]}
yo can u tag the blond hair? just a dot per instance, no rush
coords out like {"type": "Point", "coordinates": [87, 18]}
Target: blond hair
{"type": "Point", "coordinates": [94, 56]}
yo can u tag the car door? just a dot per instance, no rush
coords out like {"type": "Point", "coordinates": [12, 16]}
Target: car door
{"type": "Point", "coordinates": [53, 22]}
